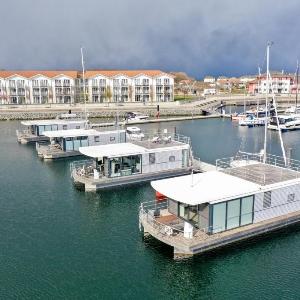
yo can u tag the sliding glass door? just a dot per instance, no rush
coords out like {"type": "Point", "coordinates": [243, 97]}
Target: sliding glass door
{"type": "Point", "coordinates": [232, 214]}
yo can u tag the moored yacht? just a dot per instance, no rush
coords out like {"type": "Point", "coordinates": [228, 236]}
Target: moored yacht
{"type": "Point", "coordinates": [286, 123]}
{"type": "Point", "coordinates": [135, 117]}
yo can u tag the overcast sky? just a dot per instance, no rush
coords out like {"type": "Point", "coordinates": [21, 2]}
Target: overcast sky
{"type": "Point", "coordinates": [195, 36]}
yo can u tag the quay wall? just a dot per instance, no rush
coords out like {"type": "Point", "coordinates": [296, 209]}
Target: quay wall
{"type": "Point", "coordinates": [105, 114]}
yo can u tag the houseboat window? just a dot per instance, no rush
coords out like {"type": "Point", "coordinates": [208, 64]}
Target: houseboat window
{"type": "Point", "coordinates": [41, 129]}
{"type": "Point", "coordinates": [69, 144]}
{"type": "Point", "coordinates": [183, 211]}
{"type": "Point", "coordinates": [151, 158]}
{"type": "Point", "coordinates": [171, 158]}
{"type": "Point", "coordinates": [77, 143]}
{"type": "Point", "coordinates": [267, 199]}
{"type": "Point", "coordinates": [73, 144]}
{"type": "Point", "coordinates": [247, 210]}
{"type": "Point", "coordinates": [123, 166]}
{"type": "Point", "coordinates": [48, 128]}
{"type": "Point", "coordinates": [54, 127]}
{"type": "Point", "coordinates": [173, 207]}
{"type": "Point", "coordinates": [65, 127]}
{"type": "Point", "coordinates": [78, 127]}
{"type": "Point", "coordinates": [219, 217]}
{"type": "Point", "coordinates": [97, 139]}
{"type": "Point", "coordinates": [233, 214]}
{"type": "Point", "coordinates": [291, 197]}
{"type": "Point", "coordinates": [193, 215]}
{"type": "Point", "coordinates": [112, 138]}
{"type": "Point", "coordinates": [84, 141]}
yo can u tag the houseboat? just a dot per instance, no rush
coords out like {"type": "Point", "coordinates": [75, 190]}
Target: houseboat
{"type": "Point", "coordinates": [160, 156]}
{"type": "Point", "coordinates": [35, 129]}
{"type": "Point", "coordinates": [286, 123]}
{"type": "Point", "coordinates": [66, 143]}
{"type": "Point", "coordinates": [254, 195]}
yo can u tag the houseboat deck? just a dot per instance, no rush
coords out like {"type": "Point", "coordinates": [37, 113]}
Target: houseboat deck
{"type": "Point", "coordinates": [152, 144]}
{"type": "Point", "coordinates": [169, 230]}
{"type": "Point", "coordinates": [262, 174]}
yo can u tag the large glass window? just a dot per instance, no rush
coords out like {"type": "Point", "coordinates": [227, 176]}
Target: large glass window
{"type": "Point", "coordinates": [233, 214]}
{"type": "Point", "coordinates": [247, 210]}
{"type": "Point", "coordinates": [69, 144]}
{"type": "Point", "coordinates": [123, 166]}
{"type": "Point", "coordinates": [41, 129]}
{"type": "Point", "coordinates": [183, 211]}
{"type": "Point", "coordinates": [219, 217]}
{"type": "Point", "coordinates": [76, 143]}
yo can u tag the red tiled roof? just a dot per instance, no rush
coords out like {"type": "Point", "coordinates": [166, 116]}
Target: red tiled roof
{"type": "Point", "coordinates": [75, 74]}
{"type": "Point", "coordinates": [128, 73]}
{"type": "Point", "coordinates": [31, 73]}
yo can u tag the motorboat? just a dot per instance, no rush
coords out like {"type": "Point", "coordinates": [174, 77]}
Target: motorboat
{"type": "Point", "coordinates": [135, 116]}
{"type": "Point", "coordinates": [286, 123]}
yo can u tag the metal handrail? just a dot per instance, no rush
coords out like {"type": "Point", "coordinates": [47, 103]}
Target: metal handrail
{"type": "Point", "coordinates": [271, 159]}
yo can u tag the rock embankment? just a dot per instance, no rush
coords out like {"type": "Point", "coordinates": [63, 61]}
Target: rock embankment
{"type": "Point", "coordinates": [105, 113]}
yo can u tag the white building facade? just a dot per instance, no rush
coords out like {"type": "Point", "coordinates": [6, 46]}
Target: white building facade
{"type": "Point", "coordinates": [42, 87]}
{"type": "Point", "coordinates": [280, 84]}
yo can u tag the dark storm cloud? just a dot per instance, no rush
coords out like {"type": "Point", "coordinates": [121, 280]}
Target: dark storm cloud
{"type": "Point", "coordinates": [199, 37]}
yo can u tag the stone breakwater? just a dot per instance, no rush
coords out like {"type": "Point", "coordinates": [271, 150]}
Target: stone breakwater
{"type": "Point", "coordinates": [105, 114]}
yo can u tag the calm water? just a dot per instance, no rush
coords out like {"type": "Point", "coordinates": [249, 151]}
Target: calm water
{"type": "Point", "coordinates": [59, 243]}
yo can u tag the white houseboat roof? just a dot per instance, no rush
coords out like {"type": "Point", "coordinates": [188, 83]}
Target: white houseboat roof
{"type": "Point", "coordinates": [208, 187]}
{"type": "Point", "coordinates": [51, 122]}
{"type": "Point", "coordinates": [112, 150]}
{"type": "Point", "coordinates": [78, 132]}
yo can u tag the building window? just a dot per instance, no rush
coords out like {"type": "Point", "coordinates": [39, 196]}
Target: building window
{"type": "Point", "coordinates": [112, 138]}
{"type": "Point", "coordinates": [65, 127]}
{"type": "Point", "coordinates": [267, 199]}
{"type": "Point", "coordinates": [77, 127]}
{"type": "Point", "coordinates": [171, 158]}
{"type": "Point", "coordinates": [291, 197]}
{"type": "Point", "coordinates": [151, 158]}
{"type": "Point", "coordinates": [96, 139]}
{"type": "Point", "coordinates": [35, 83]}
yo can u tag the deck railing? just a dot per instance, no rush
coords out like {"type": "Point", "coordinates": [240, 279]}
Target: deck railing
{"type": "Point", "coordinates": [82, 168]}
{"type": "Point", "coordinates": [150, 211]}
{"type": "Point", "coordinates": [249, 158]}
{"type": "Point", "coordinates": [163, 137]}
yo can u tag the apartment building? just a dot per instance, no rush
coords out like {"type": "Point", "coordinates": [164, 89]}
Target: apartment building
{"type": "Point", "coordinates": [281, 84]}
{"type": "Point", "coordinates": [40, 87]}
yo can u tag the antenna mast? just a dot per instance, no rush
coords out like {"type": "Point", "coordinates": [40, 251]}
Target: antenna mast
{"type": "Point", "coordinates": [83, 78]}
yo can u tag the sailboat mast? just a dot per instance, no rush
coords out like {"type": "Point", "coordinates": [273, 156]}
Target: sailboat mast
{"type": "Point", "coordinates": [267, 96]}
{"type": "Point", "coordinates": [83, 78]}
{"type": "Point", "coordinates": [297, 76]}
